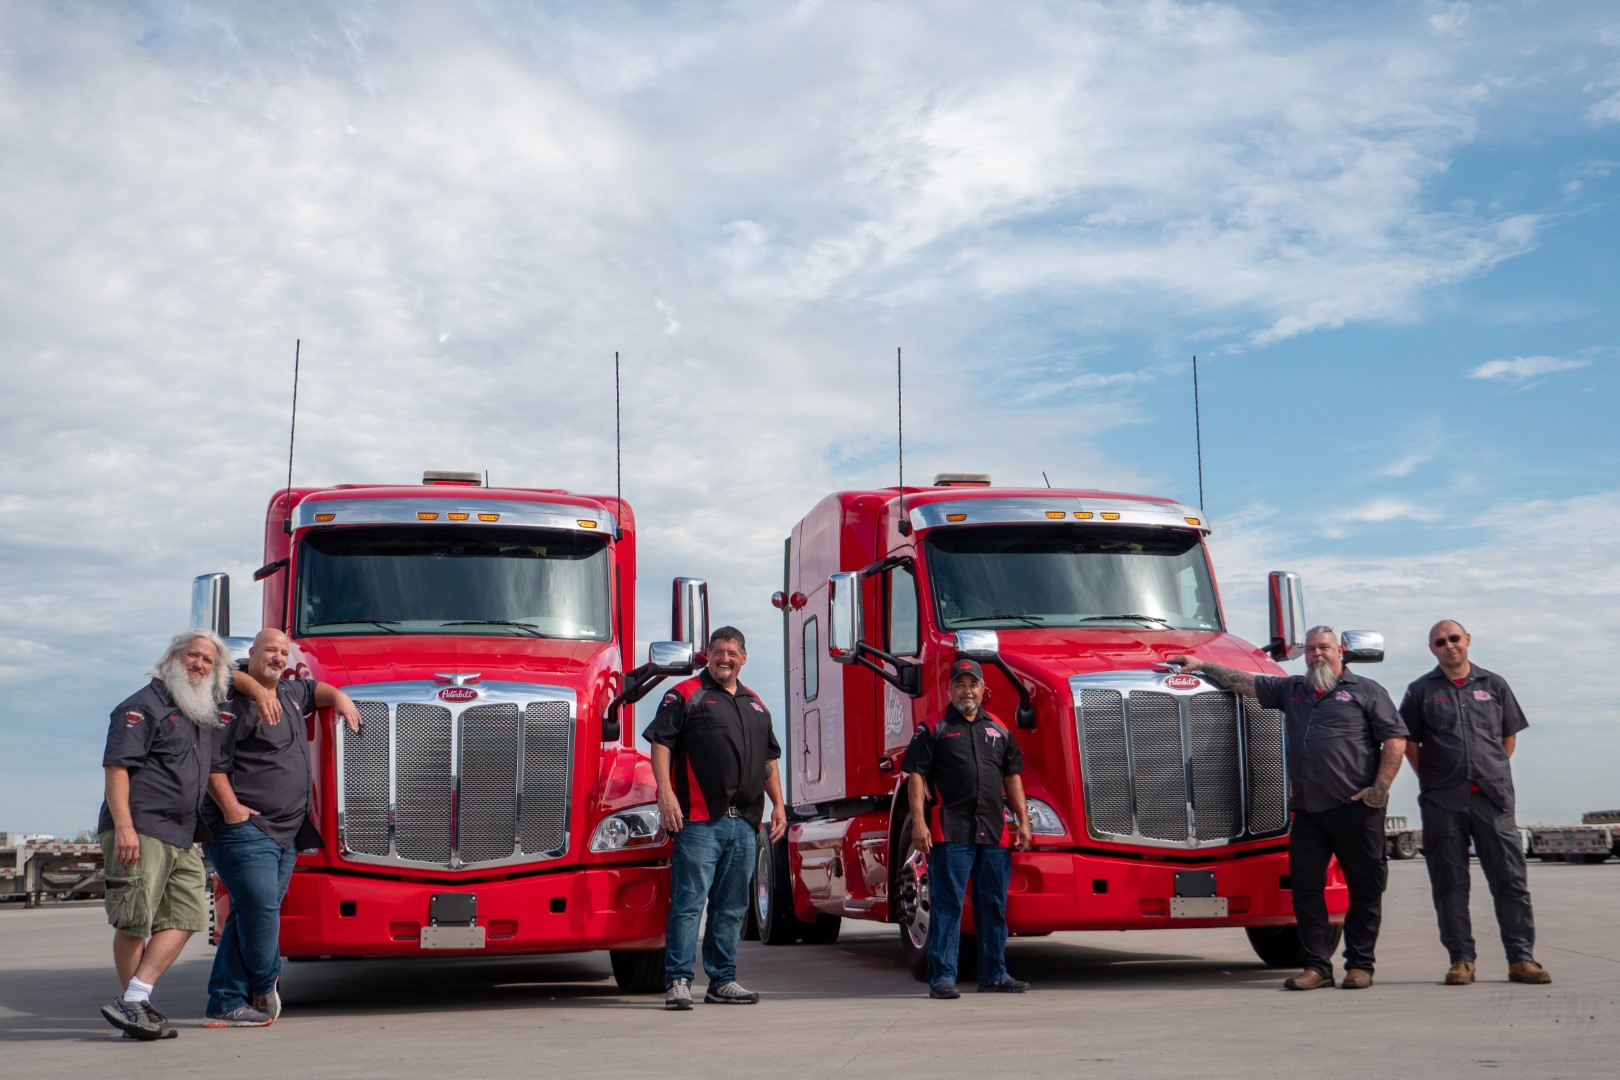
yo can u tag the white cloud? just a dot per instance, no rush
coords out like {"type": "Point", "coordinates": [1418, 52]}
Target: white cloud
{"type": "Point", "coordinates": [1521, 368]}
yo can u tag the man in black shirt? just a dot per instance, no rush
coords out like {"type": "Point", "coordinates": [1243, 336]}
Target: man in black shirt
{"type": "Point", "coordinates": [959, 764]}
{"type": "Point", "coordinates": [714, 758]}
{"type": "Point", "coordinates": [259, 819]}
{"type": "Point", "coordinates": [159, 745]}
{"type": "Point", "coordinates": [1344, 746]}
{"type": "Point", "coordinates": [1464, 722]}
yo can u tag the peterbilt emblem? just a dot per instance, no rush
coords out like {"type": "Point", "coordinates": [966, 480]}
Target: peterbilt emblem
{"type": "Point", "coordinates": [458, 693]}
{"type": "Point", "coordinates": [1183, 682]}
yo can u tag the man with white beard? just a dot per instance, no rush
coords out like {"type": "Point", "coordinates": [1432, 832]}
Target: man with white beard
{"type": "Point", "coordinates": [1344, 746]}
{"type": "Point", "coordinates": [160, 746]}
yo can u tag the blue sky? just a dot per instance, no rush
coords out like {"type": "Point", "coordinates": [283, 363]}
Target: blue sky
{"type": "Point", "coordinates": [1386, 230]}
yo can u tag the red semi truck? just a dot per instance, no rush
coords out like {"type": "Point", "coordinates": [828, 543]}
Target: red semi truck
{"type": "Point", "coordinates": [1158, 800]}
{"type": "Point", "coordinates": [492, 801]}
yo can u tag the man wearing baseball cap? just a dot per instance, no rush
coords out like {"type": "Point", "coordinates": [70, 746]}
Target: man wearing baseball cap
{"type": "Point", "coordinates": [959, 763]}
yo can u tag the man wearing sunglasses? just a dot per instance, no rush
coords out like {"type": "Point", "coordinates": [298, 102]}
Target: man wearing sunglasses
{"type": "Point", "coordinates": [1463, 722]}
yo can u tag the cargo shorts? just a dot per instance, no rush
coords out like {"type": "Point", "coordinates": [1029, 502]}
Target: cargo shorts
{"type": "Point", "coordinates": [166, 888]}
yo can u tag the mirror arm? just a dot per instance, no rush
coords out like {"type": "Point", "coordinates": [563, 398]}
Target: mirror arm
{"type": "Point", "coordinates": [906, 676]}
{"type": "Point", "coordinates": [1025, 713]}
{"type": "Point", "coordinates": [637, 683]}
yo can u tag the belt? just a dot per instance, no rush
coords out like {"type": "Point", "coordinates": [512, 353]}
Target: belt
{"type": "Point", "coordinates": [732, 811]}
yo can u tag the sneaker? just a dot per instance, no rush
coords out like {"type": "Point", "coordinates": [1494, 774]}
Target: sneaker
{"type": "Point", "coordinates": [133, 1020]}
{"type": "Point", "coordinates": [1004, 985]}
{"type": "Point", "coordinates": [244, 1015]}
{"type": "Point", "coordinates": [1356, 979]}
{"type": "Point", "coordinates": [943, 991]}
{"type": "Point", "coordinates": [729, 993]}
{"type": "Point", "coordinates": [1460, 973]}
{"type": "Point", "coordinates": [1307, 980]}
{"type": "Point", "coordinates": [158, 1018]}
{"type": "Point", "coordinates": [678, 995]}
{"type": "Point", "coordinates": [1528, 971]}
{"type": "Point", "coordinates": [270, 1002]}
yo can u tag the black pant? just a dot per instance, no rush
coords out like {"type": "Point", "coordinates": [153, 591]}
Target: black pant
{"type": "Point", "coordinates": [1496, 841]}
{"type": "Point", "coordinates": [1354, 833]}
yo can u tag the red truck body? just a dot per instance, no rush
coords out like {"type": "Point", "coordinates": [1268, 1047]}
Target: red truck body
{"type": "Point", "coordinates": [481, 633]}
{"type": "Point", "coordinates": [1158, 798]}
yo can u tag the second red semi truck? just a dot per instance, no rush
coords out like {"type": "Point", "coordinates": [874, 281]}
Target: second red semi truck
{"type": "Point", "coordinates": [1158, 800]}
{"type": "Point", "coordinates": [493, 800]}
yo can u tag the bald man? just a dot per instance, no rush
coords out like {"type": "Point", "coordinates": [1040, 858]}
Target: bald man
{"type": "Point", "coordinates": [259, 819]}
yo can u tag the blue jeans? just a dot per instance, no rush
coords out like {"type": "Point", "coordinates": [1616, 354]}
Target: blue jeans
{"type": "Point", "coordinates": [255, 870]}
{"type": "Point", "coordinates": [949, 868]}
{"type": "Point", "coordinates": [713, 861]}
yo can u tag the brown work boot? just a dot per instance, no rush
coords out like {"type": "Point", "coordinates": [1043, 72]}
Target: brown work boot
{"type": "Point", "coordinates": [1307, 980]}
{"type": "Point", "coordinates": [1460, 973]}
{"type": "Point", "coordinates": [1528, 971]}
{"type": "Point", "coordinates": [1356, 979]}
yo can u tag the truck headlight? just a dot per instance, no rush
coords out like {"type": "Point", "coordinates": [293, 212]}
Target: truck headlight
{"type": "Point", "coordinates": [638, 826]}
{"type": "Point", "coordinates": [1043, 820]}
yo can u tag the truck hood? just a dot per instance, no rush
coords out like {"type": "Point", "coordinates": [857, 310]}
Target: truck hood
{"type": "Point", "coordinates": [1052, 656]}
{"type": "Point", "coordinates": [345, 661]}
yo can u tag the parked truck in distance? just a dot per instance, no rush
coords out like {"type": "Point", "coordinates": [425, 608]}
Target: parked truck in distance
{"type": "Point", "coordinates": [1158, 800]}
{"type": "Point", "coordinates": [493, 800]}
{"type": "Point", "coordinates": [1401, 841]}
{"type": "Point", "coordinates": [1594, 840]}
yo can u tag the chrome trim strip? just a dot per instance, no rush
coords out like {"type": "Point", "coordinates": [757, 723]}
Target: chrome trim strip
{"type": "Point", "coordinates": [1032, 510]}
{"type": "Point", "coordinates": [403, 512]}
{"type": "Point", "coordinates": [520, 695]}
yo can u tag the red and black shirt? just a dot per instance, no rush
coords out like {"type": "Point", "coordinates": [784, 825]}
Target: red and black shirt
{"type": "Point", "coordinates": [168, 758]}
{"type": "Point", "coordinates": [1460, 730]}
{"type": "Point", "coordinates": [721, 746]}
{"type": "Point", "coordinates": [966, 763]}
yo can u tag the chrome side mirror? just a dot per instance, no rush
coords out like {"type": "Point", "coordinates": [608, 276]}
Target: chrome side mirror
{"type": "Point", "coordinates": [1287, 605]}
{"type": "Point", "coordinates": [671, 658]}
{"type": "Point", "coordinates": [211, 603]}
{"type": "Point", "coordinates": [843, 616]}
{"type": "Point", "coordinates": [689, 612]}
{"type": "Point", "coordinates": [977, 645]}
{"type": "Point", "coordinates": [1362, 646]}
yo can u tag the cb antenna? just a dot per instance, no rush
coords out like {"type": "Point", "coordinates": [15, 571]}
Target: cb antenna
{"type": "Point", "coordinates": [900, 433]}
{"type": "Point", "coordinates": [292, 432]}
{"type": "Point", "coordinates": [618, 456]}
{"type": "Point", "coordinates": [1198, 436]}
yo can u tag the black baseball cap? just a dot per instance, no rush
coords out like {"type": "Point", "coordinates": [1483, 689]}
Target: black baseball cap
{"type": "Point", "coordinates": [964, 666]}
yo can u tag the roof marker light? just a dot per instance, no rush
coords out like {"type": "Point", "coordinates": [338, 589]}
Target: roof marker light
{"type": "Point", "coordinates": [585, 523]}
{"type": "Point", "coordinates": [1056, 515]}
{"type": "Point", "coordinates": [1107, 516]}
{"type": "Point", "coordinates": [955, 517]}
{"type": "Point", "coordinates": [325, 517]}
{"type": "Point", "coordinates": [1083, 515]}
{"type": "Point", "coordinates": [457, 515]}
{"type": "Point", "coordinates": [489, 517]}
{"type": "Point", "coordinates": [427, 515]}
{"type": "Point", "coordinates": [1192, 521]}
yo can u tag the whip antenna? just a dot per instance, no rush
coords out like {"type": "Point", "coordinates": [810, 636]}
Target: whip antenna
{"type": "Point", "coordinates": [292, 432]}
{"type": "Point", "coordinates": [1198, 435]}
{"type": "Point", "coordinates": [900, 434]}
{"type": "Point", "coordinates": [618, 454]}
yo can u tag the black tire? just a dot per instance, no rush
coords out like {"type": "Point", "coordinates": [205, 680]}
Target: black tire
{"type": "Point", "coordinates": [824, 931]}
{"type": "Point", "coordinates": [638, 971]}
{"type": "Point", "coordinates": [1406, 846]}
{"type": "Point", "coordinates": [773, 896]}
{"type": "Point", "coordinates": [1278, 946]}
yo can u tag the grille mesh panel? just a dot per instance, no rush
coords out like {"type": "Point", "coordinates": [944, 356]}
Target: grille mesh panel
{"type": "Point", "coordinates": [365, 779]}
{"type": "Point", "coordinates": [1108, 769]}
{"type": "Point", "coordinates": [547, 752]}
{"type": "Point", "coordinates": [1268, 793]}
{"type": "Point", "coordinates": [1217, 774]}
{"type": "Point", "coordinates": [487, 818]}
{"type": "Point", "coordinates": [422, 777]}
{"type": "Point", "coordinates": [1161, 776]}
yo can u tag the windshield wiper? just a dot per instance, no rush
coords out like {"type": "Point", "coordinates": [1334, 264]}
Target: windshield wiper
{"type": "Point", "coordinates": [385, 625]}
{"type": "Point", "coordinates": [1032, 620]}
{"type": "Point", "coordinates": [1111, 618]}
{"type": "Point", "coordinates": [525, 627]}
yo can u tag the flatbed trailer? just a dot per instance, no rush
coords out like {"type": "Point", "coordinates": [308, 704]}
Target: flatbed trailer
{"type": "Point", "coordinates": [1596, 839]}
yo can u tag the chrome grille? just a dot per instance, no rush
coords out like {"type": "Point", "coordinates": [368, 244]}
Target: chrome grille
{"type": "Point", "coordinates": [1178, 768]}
{"type": "Point", "coordinates": [471, 784]}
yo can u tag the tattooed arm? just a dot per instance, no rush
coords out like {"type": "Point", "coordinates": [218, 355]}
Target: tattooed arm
{"type": "Point", "coordinates": [1227, 678]}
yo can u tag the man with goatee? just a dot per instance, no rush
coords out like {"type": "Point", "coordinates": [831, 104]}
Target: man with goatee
{"type": "Point", "coordinates": [1344, 746]}
{"type": "Point", "coordinates": [258, 816]}
{"type": "Point", "coordinates": [160, 746]}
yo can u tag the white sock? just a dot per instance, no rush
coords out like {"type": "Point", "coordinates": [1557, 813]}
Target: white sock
{"type": "Point", "coordinates": [137, 991]}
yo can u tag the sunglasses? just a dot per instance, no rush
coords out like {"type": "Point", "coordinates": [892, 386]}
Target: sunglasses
{"type": "Point", "coordinates": [1442, 642]}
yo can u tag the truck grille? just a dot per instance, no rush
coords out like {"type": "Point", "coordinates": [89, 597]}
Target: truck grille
{"type": "Point", "coordinates": [465, 785]}
{"type": "Point", "coordinates": [1177, 768]}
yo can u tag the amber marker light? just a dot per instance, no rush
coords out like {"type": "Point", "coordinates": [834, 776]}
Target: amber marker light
{"type": "Point", "coordinates": [1110, 517]}
{"type": "Point", "coordinates": [1083, 515]}
{"type": "Point", "coordinates": [427, 515]}
{"type": "Point", "coordinates": [324, 517]}
{"type": "Point", "coordinates": [585, 523]}
{"type": "Point", "coordinates": [456, 515]}
{"type": "Point", "coordinates": [1056, 515]}
{"type": "Point", "coordinates": [489, 517]}
{"type": "Point", "coordinates": [955, 517]}
{"type": "Point", "coordinates": [1192, 521]}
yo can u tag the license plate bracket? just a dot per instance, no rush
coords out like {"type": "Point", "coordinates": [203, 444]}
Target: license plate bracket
{"type": "Point", "coordinates": [453, 922]}
{"type": "Point", "coordinates": [1198, 907]}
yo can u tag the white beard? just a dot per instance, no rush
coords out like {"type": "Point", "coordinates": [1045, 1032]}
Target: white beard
{"type": "Point", "coordinates": [1320, 677]}
{"type": "Point", "coordinates": [195, 699]}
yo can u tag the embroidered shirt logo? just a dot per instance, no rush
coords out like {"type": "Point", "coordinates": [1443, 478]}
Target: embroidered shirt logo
{"type": "Point", "coordinates": [132, 718]}
{"type": "Point", "coordinates": [991, 733]}
{"type": "Point", "coordinates": [757, 706]}
{"type": "Point", "coordinates": [1342, 695]}
{"type": "Point", "coordinates": [1482, 695]}
{"type": "Point", "coordinates": [669, 697]}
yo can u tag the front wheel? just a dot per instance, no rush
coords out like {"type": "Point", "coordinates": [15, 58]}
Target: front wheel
{"type": "Point", "coordinates": [773, 896]}
{"type": "Point", "coordinates": [912, 909]}
{"type": "Point", "coordinates": [1278, 946]}
{"type": "Point", "coordinates": [638, 971]}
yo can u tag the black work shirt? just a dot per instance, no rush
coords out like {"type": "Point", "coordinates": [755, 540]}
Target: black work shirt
{"type": "Point", "coordinates": [1460, 731]}
{"type": "Point", "coordinates": [268, 764]}
{"type": "Point", "coordinates": [721, 746]}
{"type": "Point", "coordinates": [966, 763]}
{"type": "Point", "coordinates": [168, 758]}
{"type": "Point", "coordinates": [1332, 741]}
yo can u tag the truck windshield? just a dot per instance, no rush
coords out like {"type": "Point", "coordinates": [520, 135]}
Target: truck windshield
{"type": "Point", "coordinates": [1066, 576]}
{"type": "Point", "coordinates": [453, 580]}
